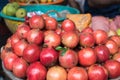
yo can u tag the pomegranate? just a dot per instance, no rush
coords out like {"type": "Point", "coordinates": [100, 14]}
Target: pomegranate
{"type": "Point", "coordinates": [14, 39]}
{"type": "Point", "coordinates": [35, 36]}
{"type": "Point", "coordinates": [87, 56]}
{"type": "Point", "coordinates": [9, 60]}
{"type": "Point", "coordinates": [22, 30]}
{"type": "Point", "coordinates": [48, 56]}
{"type": "Point", "coordinates": [113, 68]}
{"type": "Point", "coordinates": [36, 71]}
{"type": "Point", "coordinates": [44, 16]}
{"type": "Point", "coordinates": [100, 36]}
{"type": "Point", "coordinates": [56, 73]}
{"type": "Point", "coordinates": [112, 46]}
{"type": "Point", "coordinates": [36, 21]}
{"type": "Point", "coordinates": [51, 23]}
{"type": "Point", "coordinates": [58, 30]}
{"type": "Point", "coordinates": [5, 51]}
{"type": "Point", "coordinates": [86, 39]}
{"type": "Point", "coordinates": [88, 30]}
{"type": "Point", "coordinates": [116, 38]}
{"type": "Point", "coordinates": [68, 25]}
{"type": "Point", "coordinates": [77, 73]}
{"type": "Point", "coordinates": [31, 53]}
{"type": "Point", "coordinates": [68, 58]}
{"type": "Point", "coordinates": [116, 57]}
{"type": "Point", "coordinates": [19, 47]}
{"type": "Point", "coordinates": [20, 67]}
{"type": "Point", "coordinates": [102, 52]}
{"type": "Point", "coordinates": [51, 39]}
{"type": "Point", "coordinates": [70, 39]}
{"type": "Point", "coordinates": [97, 72]}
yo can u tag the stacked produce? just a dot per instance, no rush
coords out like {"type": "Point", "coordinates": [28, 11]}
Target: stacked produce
{"type": "Point", "coordinates": [23, 1]}
{"type": "Point", "coordinates": [44, 1]}
{"type": "Point", "coordinates": [43, 49]}
{"type": "Point", "coordinates": [33, 1]}
{"type": "Point", "coordinates": [13, 9]}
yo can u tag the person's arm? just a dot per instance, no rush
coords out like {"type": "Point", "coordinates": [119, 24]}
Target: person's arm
{"type": "Point", "coordinates": [74, 4]}
{"type": "Point", "coordinates": [102, 3]}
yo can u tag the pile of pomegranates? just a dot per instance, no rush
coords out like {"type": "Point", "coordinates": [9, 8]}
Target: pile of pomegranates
{"type": "Point", "coordinates": [44, 49]}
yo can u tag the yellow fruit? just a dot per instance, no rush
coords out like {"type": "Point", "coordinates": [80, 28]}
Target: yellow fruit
{"type": "Point", "coordinates": [118, 31]}
{"type": "Point", "coordinates": [49, 0]}
{"type": "Point", "coordinates": [21, 13]}
{"type": "Point", "coordinates": [16, 5]}
{"type": "Point", "coordinates": [10, 10]}
{"type": "Point", "coordinates": [43, 1]}
{"type": "Point", "coordinates": [4, 10]}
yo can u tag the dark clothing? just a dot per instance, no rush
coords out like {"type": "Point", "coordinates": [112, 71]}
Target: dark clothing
{"type": "Point", "coordinates": [3, 3]}
{"type": "Point", "coordinates": [4, 32]}
{"type": "Point", "coordinates": [110, 11]}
